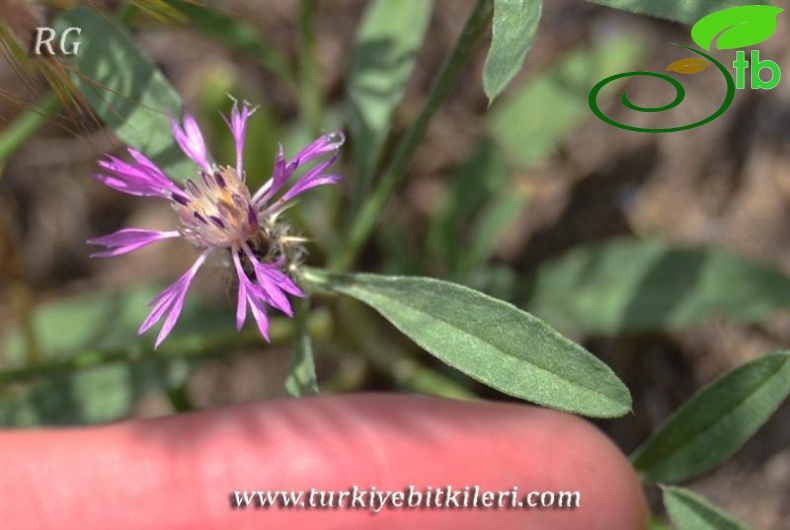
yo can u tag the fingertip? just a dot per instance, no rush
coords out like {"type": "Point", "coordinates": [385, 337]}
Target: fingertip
{"type": "Point", "coordinates": [182, 471]}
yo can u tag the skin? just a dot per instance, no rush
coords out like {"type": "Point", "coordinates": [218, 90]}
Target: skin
{"type": "Point", "coordinates": [179, 472]}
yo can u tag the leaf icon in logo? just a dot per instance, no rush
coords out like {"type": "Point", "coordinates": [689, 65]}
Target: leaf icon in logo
{"type": "Point", "coordinates": [739, 27]}
{"type": "Point", "coordinates": [692, 65]}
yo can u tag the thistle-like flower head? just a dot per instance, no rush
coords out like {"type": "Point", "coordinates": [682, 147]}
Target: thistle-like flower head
{"type": "Point", "coordinates": [217, 213]}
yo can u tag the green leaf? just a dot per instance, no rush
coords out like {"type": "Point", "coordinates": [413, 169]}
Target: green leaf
{"type": "Point", "coordinates": [126, 90]}
{"type": "Point", "coordinates": [472, 183]}
{"type": "Point", "coordinates": [716, 422]}
{"type": "Point", "coordinates": [741, 27]}
{"type": "Point", "coordinates": [628, 285]}
{"type": "Point", "coordinates": [108, 321]}
{"type": "Point", "coordinates": [654, 523]}
{"type": "Point", "coordinates": [102, 320]}
{"type": "Point", "coordinates": [514, 28]}
{"type": "Point", "coordinates": [301, 379]}
{"type": "Point", "coordinates": [383, 58]}
{"type": "Point", "coordinates": [530, 123]}
{"type": "Point", "coordinates": [96, 395]}
{"type": "Point", "coordinates": [489, 340]}
{"type": "Point", "coordinates": [686, 11]}
{"type": "Point", "coordinates": [690, 512]}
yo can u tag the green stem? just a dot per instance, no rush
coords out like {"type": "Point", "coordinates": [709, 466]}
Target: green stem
{"type": "Point", "coordinates": [280, 331]}
{"type": "Point", "coordinates": [179, 398]}
{"type": "Point", "coordinates": [26, 126]}
{"type": "Point", "coordinates": [310, 93]}
{"type": "Point", "coordinates": [301, 379]}
{"type": "Point", "coordinates": [445, 80]}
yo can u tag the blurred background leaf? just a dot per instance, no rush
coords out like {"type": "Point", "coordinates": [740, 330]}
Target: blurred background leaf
{"type": "Point", "coordinates": [529, 124]}
{"type": "Point", "coordinates": [108, 320]}
{"type": "Point", "coordinates": [384, 55]}
{"type": "Point", "coordinates": [236, 36]}
{"type": "Point", "coordinates": [474, 183]}
{"type": "Point", "coordinates": [514, 27]}
{"type": "Point", "coordinates": [630, 285]}
{"type": "Point", "coordinates": [126, 90]}
{"type": "Point", "coordinates": [96, 395]}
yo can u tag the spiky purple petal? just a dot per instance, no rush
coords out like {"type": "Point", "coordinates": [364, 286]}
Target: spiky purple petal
{"type": "Point", "coordinates": [190, 139]}
{"type": "Point", "coordinates": [127, 240]}
{"type": "Point", "coordinates": [238, 127]}
{"type": "Point", "coordinates": [171, 301]}
{"type": "Point", "coordinates": [135, 179]}
{"type": "Point", "coordinates": [255, 296]}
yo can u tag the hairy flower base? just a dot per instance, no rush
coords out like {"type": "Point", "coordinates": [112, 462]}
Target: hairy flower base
{"type": "Point", "coordinates": [217, 213]}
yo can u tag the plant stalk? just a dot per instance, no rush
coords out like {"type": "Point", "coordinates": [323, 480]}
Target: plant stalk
{"type": "Point", "coordinates": [366, 218]}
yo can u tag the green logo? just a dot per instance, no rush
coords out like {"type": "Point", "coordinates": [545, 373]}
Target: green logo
{"type": "Point", "coordinates": [737, 27]}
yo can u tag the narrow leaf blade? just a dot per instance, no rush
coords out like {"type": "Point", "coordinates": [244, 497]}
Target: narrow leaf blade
{"type": "Point", "coordinates": [690, 512]}
{"type": "Point", "coordinates": [514, 28]}
{"type": "Point", "coordinates": [383, 58]}
{"type": "Point", "coordinates": [489, 340]}
{"type": "Point", "coordinates": [716, 422]}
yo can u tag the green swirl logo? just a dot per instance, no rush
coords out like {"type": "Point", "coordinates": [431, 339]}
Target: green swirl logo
{"type": "Point", "coordinates": [736, 27]}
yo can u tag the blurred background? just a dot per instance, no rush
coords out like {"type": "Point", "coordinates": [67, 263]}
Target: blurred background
{"type": "Point", "coordinates": [616, 238]}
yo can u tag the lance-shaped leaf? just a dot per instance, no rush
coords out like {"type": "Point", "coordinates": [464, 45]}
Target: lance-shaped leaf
{"type": "Point", "coordinates": [514, 28]}
{"type": "Point", "coordinates": [690, 512]}
{"type": "Point", "coordinates": [716, 422]}
{"type": "Point", "coordinates": [739, 27]}
{"type": "Point", "coordinates": [126, 90]}
{"type": "Point", "coordinates": [489, 340]}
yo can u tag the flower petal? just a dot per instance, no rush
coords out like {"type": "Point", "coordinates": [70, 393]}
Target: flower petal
{"type": "Point", "coordinates": [328, 143]}
{"type": "Point", "coordinates": [274, 295]}
{"type": "Point", "coordinates": [241, 304]}
{"type": "Point", "coordinates": [280, 176]}
{"type": "Point", "coordinates": [154, 171]}
{"type": "Point", "coordinates": [308, 183]}
{"type": "Point", "coordinates": [282, 280]}
{"type": "Point", "coordinates": [171, 300]}
{"type": "Point", "coordinates": [259, 313]}
{"type": "Point", "coordinates": [255, 296]}
{"type": "Point", "coordinates": [142, 179]}
{"type": "Point", "coordinates": [127, 240]}
{"type": "Point", "coordinates": [238, 127]}
{"type": "Point", "coordinates": [190, 140]}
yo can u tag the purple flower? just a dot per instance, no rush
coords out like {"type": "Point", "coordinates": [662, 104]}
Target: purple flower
{"type": "Point", "coordinates": [217, 213]}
